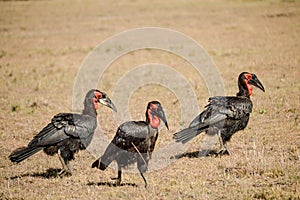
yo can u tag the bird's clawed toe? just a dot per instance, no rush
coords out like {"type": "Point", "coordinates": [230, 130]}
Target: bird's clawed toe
{"type": "Point", "coordinates": [64, 173]}
{"type": "Point", "coordinates": [117, 181]}
{"type": "Point", "coordinates": [223, 152]}
{"type": "Point", "coordinates": [147, 186]}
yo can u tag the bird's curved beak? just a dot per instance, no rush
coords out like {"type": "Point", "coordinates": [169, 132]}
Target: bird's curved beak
{"type": "Point", "coordinates": [107, 102]}
{"type": "Point", "coordinates": [254, 81]}
{"type": "Point", "coordinates": [161, 114]}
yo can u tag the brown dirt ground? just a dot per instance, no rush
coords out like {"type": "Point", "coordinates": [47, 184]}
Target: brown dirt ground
{"type": "Point", "coordinates": [43, 43]}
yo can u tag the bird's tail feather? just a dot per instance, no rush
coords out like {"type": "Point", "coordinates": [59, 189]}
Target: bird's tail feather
{"type": "Point", "coordinates": [109, 155]}
{"type": "Point", "coordinates": [187, 134]}
{"type": "Point", "coordinates": [22, 153]}
{"type": "Point", "coordinates": [97, 164]}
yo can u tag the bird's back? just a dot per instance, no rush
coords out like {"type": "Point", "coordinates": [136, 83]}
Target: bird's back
{"type": "Point", "coordinates": [234, 110]}
{"type": "Point", "coordinates": [132, 139]}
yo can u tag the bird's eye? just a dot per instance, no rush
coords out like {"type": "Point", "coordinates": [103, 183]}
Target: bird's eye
{"type": "Point", "coordinates": [98, 95]}
{"type": "Point", "coordinates": [248, 76]}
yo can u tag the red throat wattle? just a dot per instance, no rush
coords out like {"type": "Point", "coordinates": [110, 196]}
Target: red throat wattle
{"type": "Point", "coordinates": [249, 86]}
{"type": "Point", "coordinates": [153, 119]}
{"type": "Point", "coordinates": [98, 95]}
{"type": "Point", "coordinates": [95, 101]}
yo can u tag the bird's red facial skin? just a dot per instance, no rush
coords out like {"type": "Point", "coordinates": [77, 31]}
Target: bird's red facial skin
{"type": "Point", "coordinates": [153, 106]}
{"type": "Point", "coordinates": [153, 119]}
{"type": "Point", "coordinates": [95, 103]}
{"type": "Point", "coordinates": [98, 95]}
{"type": "Point", "coordinates": [249, 86]}
{"type": "Point", "coordinates": [248, 76]}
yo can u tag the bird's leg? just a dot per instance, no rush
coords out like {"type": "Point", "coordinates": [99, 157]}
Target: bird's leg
{"type": "Point", "coordinates": [220, 140]}
{"type": "Point", "coordinates": [62, 162]}
{"type": "Point", "coordinates": [145, 180]}
{"type": "Point", "coordinates": [118, 179]}
{"type": "Point", "coordinates": [70, 169]}
{"type": "Point", "coordinates": [119, 176]}
{"type": "Point", "coordinates": [66, 167]}
{"type": "Point", "coordinates": [227, 151]}
{"type": "Point", "coordinates": [222, 146]}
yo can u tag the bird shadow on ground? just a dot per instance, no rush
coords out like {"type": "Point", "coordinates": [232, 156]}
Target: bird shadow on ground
{"type": "Point", "coordinates": [197, 154]}
{"type": "Point", "coordinates": [111, 184]}
{"type": "Point", "coordinates": [50, 173]}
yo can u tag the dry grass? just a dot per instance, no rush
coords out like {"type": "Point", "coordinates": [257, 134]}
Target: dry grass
{"type": "Point", "coordinates": [43, 43]}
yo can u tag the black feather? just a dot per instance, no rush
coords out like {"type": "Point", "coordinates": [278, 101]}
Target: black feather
{"type": "Point", "coordinates": [134, 142]}
{"type": "Point", "coordinates": [223, 114]}
{"type": "Point", "coordinates": [67, 133]}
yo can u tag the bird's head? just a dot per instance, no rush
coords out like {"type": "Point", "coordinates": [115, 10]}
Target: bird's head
{"type": "Point", "coordinates": [98, 97]}
{"type": "Point", "coordinates": [154, 113]}
{"type": "Point", "coordinates": [245, 82]}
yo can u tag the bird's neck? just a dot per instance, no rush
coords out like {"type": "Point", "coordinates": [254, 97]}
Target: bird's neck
{"type": "Point", "coordinates": [153, 120]}
{"type": "Point", "coordinates": [89, 109]}
{"type": "Point", "coordinates": [245, 90]}
{"type": "Point", "coordinates": [243, 93]}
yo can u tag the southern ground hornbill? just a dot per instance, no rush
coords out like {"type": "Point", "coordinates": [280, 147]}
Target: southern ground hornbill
{"type": "Point", "coordinates": [224, 115]}
{"type": "Point", "coordinates": [134, 142]}
{"type": "Point", "coordinates": [66, 133]}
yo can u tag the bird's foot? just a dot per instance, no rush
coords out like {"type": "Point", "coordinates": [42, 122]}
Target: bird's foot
{"type": "Point", "coordinates": [147, 186]}
{"type": "Point", "coordinates": [64, 173]}
{"type": "Point", "coordinates": [222, 152]}
{"type": "Point", "coordinates": [118, 181]}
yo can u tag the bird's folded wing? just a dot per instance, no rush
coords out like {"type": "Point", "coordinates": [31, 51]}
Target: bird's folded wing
{"type": "Point", "coordinates": [48, 136]}
{"type": "Point", "coordinates": [131, 133]}
{"type": "Point", "coordinates": [63, 126]}
{"type": "Point", "coordinates": [75, 125]}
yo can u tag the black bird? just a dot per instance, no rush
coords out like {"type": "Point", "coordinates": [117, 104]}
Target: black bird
{"type": "Point", "coordinates": [224, 115]}
{"type": "Point", "coordinates": [67, 133]}
{"type": "Point", "coordinates": [134, 142]}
